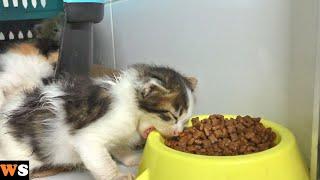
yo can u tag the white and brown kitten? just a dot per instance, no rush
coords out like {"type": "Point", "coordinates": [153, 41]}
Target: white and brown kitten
{"type": "Point", "coordinates": [80, 120]}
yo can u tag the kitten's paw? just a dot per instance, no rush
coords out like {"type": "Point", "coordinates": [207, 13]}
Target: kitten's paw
{"type": "Point", "coordinates": [124, 177]}
{"type": "Point", "coordinates": [132, 160]}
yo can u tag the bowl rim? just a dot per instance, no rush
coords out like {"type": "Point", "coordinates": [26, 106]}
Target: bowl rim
{"type": "Point", "coordinates": [287, 140]}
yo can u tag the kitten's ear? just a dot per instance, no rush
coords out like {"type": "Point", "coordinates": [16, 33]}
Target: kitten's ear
{"type": "Point", "coordinates": [192, 81]}
{"type": "Point", "coordinates": [153, 86]}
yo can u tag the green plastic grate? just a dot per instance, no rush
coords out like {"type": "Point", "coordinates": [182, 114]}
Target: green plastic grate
{"type": "Point", "coordinates": [18, 17]}
{"type": "Point", "coordinates": [12, 10]}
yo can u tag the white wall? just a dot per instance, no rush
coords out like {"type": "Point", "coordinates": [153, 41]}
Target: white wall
{"type": "Point", "coordinates": [302, 71]}
{"type": "Point", "coordinates": [103, 40]}
{"type": "Point", "coordinates": [251, 56]}
{"type": "Point", "coordinates": [238, 49]}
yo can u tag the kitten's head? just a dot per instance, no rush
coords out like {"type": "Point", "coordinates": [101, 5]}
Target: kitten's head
{"type": "Point", "coordinates": [165, 99]}
{"type": "Point", "coordinates": [50, 29]}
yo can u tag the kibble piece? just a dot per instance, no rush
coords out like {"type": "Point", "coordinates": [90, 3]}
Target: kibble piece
{"type": "Point", "coordinates": [231, 129]}
{"type": "Point", "coordinates": [197, 141]}
{"type": "Point", "coordinates": [195, 121]}
{"type": "Point", "coordinates": [212, 138]}
{"type": "Point", "coordinates": [206, 143]}
{"type": "Point", "coordinates": [249, 135]}
{"type": "Point", "coordinates": [240, 127]}
{"type": "Point", "coordinates": [207, 129]}
{"type": "Point", "coordinates": [234, 136]}
{"type": "Point", "coordinates": [191, 141]}
{"type": "Point", "coordinates": [197, 134]}
{"type": "Point", "coordinates": [218, 133]}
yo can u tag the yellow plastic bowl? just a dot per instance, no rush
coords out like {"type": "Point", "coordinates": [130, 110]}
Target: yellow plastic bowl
{"type": "Point", "coordinates": [282, 162]}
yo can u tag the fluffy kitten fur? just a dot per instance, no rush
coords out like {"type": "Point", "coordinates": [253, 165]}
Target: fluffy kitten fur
{"type": "Point", "coordinates": [24, 65]}
{"type": "Point", "coordinates": [80, 120]}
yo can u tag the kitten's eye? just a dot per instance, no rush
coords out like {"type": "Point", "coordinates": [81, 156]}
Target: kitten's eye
{"type": "Point", "coordinates": [175, 117]}
{"type": "Point", "coordinates": [165, 117]}
{"type": "Point", "coordinates": [180, 112]}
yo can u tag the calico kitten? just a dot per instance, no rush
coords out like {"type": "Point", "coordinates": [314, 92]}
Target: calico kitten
{"type": "Point", "coordinates": [80, 120]}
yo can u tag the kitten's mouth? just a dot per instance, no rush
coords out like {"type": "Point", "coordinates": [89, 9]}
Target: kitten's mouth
{"type": "Point", "coordinates": [147, 132]}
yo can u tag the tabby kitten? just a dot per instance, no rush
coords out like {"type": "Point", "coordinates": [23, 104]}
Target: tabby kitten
{"type": "Point", "coordinates": [72, 120]}
{"type": "Point", "coordinates": [48, 34]}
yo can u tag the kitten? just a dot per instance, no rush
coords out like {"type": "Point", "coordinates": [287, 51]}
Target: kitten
{"type": "Point", "coordinates": [73, 121]}
{"type": "Point", "coordinates": [48, 34]}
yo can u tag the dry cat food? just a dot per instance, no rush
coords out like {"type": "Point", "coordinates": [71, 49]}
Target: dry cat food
{"type": "Point", "coordinates": [217, 136]}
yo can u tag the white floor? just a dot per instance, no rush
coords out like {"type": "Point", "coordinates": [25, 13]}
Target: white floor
{"type": "Point", "coordinates": [84, 175]}
{"type": "Point", "coordinates": [67, 176]}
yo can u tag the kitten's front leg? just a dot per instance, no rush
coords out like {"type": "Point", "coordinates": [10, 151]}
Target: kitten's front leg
{"type": "Point", "coordinates": [98, 161]}
{"type": "Point", "coordinates": [126, 155]}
